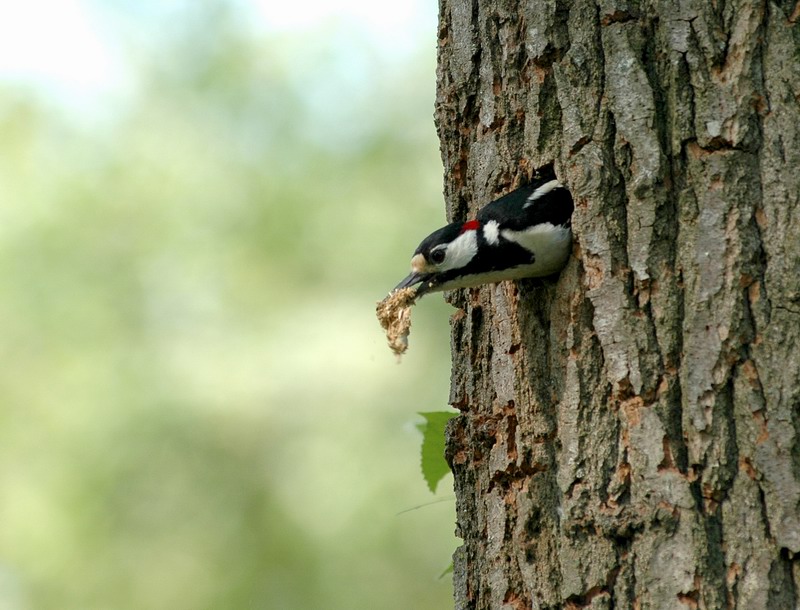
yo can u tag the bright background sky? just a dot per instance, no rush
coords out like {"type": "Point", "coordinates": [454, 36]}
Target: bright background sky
{"type": "Point", "coordinates": [71, 56]}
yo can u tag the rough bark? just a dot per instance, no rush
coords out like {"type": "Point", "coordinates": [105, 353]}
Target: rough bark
{"type": "Point", "coordinates": [629, 434]}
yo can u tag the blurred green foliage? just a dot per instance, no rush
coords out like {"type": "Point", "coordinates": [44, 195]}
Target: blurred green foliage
{"type": "Point", "coordinates": [198, 408]}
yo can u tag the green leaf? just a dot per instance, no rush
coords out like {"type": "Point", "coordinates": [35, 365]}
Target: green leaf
{"type": "Point", "coordinates": [447, 570]}
{"type": "Point", "coordinates": [434, 466]}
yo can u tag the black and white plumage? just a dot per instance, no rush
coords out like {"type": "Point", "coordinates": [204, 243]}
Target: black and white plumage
{"type": "Point", "coordinates": [525, 233]}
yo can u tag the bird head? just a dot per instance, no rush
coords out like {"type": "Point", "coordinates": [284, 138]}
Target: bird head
{"type": "Point", "coordinates": [441, 257]}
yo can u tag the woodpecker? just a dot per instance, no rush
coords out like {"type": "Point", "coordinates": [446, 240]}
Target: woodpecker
{"type": "Point", "coordinates": [525, 233]}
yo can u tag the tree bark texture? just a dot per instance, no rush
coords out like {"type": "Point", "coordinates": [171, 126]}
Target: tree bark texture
{"type": "Point", "coordinates": [629, 434]}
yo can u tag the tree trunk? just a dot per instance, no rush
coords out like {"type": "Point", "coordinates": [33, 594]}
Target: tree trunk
{"type": "Point", "coordinates": [629, 434]}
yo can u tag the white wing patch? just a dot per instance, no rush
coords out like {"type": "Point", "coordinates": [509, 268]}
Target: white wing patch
{"type": "Point", "coordinates": [460, 251]}
{"type": "Point", "coordinates": [491, 232]}
{"type": "Point", "coordinates": [542, 191]}
{"type": "Point", "coordinates": [549, 244]}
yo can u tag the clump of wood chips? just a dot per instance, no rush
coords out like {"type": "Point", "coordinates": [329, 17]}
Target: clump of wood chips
{"type": "Point", "coordinates": [394, 314]}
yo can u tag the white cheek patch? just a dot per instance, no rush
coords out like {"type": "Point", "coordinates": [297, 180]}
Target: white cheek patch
{"type": "Point", "coordinates": [460, 251]}
{"type": "Point", "coordinates": [491, 232]}
{"type": "Point", "coordinates": [541, 192]}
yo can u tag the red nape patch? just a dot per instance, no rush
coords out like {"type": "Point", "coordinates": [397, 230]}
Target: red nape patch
{"type": "Point", "coordinates": [470, 225]}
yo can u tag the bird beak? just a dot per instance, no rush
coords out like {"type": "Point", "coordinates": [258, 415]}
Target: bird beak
{"type": "Point", "coordinates": [423, 279]}
{"type": "Point", "coordinates": [420, 274]}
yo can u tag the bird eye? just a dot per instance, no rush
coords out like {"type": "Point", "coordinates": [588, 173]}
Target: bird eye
{"type": "Point", "coordinates": [437, 256]}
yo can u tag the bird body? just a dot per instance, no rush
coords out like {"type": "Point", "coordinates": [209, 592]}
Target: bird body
{"type": "Point", "coordinates": [526, 233]}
